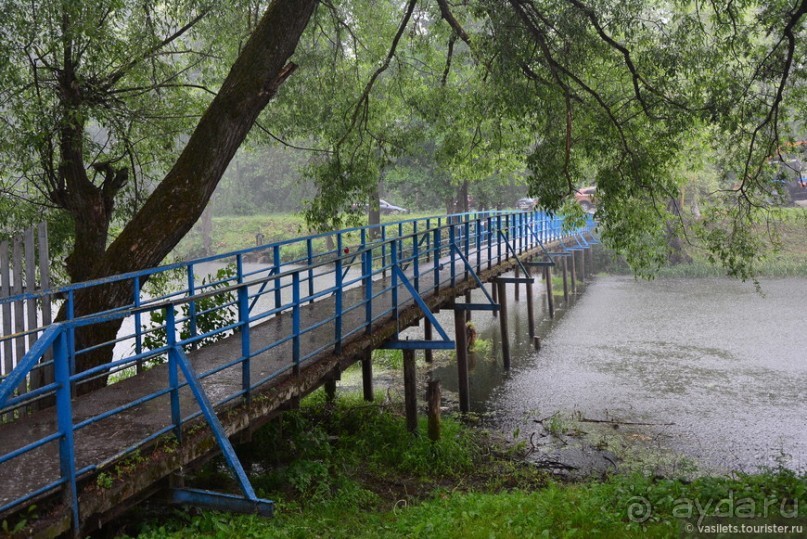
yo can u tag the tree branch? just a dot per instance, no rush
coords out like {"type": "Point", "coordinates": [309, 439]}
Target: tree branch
{"type": "Point", "coordinates": [119, 73]}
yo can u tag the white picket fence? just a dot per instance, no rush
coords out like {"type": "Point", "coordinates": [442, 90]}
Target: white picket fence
{"type": "Point", "coordinates": [24, 269]}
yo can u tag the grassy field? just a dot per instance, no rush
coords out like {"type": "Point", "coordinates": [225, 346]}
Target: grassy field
{"type": "Point", "coordinates": [351, 470]}
{"type": "Point", "coordinates": [231, 233]}
{"type": "Point", "coordinates": [786, 255]}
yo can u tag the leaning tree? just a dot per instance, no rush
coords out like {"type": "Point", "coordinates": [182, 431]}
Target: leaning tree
{"type": "Point", "coordinates": [123, 105]}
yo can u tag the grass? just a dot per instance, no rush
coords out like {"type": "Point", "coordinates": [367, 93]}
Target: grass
{"type": "Point", "coordinates": [352, 470]}
{"type": "Point", "coordinates": [785, 255]}
{"type": "Point", "coordinates": [232, 233]}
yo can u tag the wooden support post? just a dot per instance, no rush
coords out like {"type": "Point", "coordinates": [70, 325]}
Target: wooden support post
{"type": "Point", "coordinates": [536, 341]}
{"type": "Point", "coordinates": [565, 282]}
{"type": "Point", "coordinates": [330, 390]}
{"type": "Point", "coordinates": [517, 294]}
{"type": "Point", "coordinates": [590, 252]}
{"type": "Point", "coordinates": [574, 274]}
{"type": "Point", "coordinates": [433, 395]}
{"type": "Point", "coordinates": [550, 299]}
{"type": "Point", "coordinates": [428, 333]}
{"type": "Point", "coordinates": [367, 375]}
{"type": "Point", "coordinates": [410, 391]}
{"type": "Point", "coordinates": [462, 361]}
{"type": "Point", "coordinates": [494, 293]}
{"type": "Point", "coordinates": [582, 271]}
{"type": "Point", "coordinates": [468, 311]}
{"type": "Point", "coordinates": [503, 324]}
{"type": "Point", "coordinates": [530, 307]}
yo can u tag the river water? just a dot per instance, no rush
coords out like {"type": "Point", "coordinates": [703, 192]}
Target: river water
{"type": "Point", "coordinates": [705, 373]}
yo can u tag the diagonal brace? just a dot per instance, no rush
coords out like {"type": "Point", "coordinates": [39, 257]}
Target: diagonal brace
{"type": "Point", "coordinates": [513, 251]}
{"type": "Point", "coordinates": [470, 269]}
{"type": "Point", "coordinates": [215, 425]}
{"type": "Point", "coordinates": [423, 307]}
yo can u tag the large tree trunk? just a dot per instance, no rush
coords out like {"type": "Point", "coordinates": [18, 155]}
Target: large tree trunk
{"type": "Point", "coordinates": [178, 201]}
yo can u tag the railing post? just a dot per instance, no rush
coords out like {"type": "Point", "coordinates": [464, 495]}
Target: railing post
{"type": "Point", "coordinates": [71, 335]}
{"type": "Point", "coordinates": [338, 295]}
{"type": "Point", "coordinates": [384, 251]}
{"type": "Point", "coordinates": [173, 370]}
{"type": "Point", "coordinates": [64, 420]}
{"type": "Point", "coordinates": [498, 238]}
{"type": "Point", "coordinates": [428, 241]}
{"type": "Point", "coordinates": [437, 233]}
{"type": "Point", "coordinates": [295, 321]}
{"type": "Point", "coordinates": [138, 324]}
{"type": "Point", "coordinates": [367, 278]}
{"type": "Point", "coordinates": [478, 230]}
{"type": "Point", "coordinates": [490, 241]}
{"type": "Point", "coordinates": [467, 243]}
{"type": "Point", "coordinates": [394, 253]}
{"type": "Point", "coordinates": [276, 263]}
{"type": "Point", "coordinates": [416, 255]}
{"type": "Point", "coordinates": [192, 329]}
{"type": "Point", "coordinates": [246, 354]}
{"type": "Point", "coordinates": [452, 234]}
{"type": "Point", "coordinates": [309, 250]}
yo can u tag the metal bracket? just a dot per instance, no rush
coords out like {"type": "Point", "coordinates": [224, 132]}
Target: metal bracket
{"type": "Point", "coordinates": [470, 270]}
{"type": "Point", "coordinates": [221, 502]}
{"type": "Point", "coordinates": [444, 344]}
{"type": "Point", "coordinates": [476, 307]}
{"type": "Point", "coordinates": [516, 280]}
{"type": "Point", "coordinates": [249, 502]}
{"type": "Point", "coordinates": [513, 251]}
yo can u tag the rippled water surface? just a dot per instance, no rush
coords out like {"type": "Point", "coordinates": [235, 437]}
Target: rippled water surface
{"type": "Point", "coordinates": [717, 370]}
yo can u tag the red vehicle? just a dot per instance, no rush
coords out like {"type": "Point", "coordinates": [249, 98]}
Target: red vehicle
{"type": "Point", "coordinates": [585, 197]}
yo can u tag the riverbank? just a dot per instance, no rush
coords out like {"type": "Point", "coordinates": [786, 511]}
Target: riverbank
{"type": "Point", "coordinates": [784, 251]}
{"type": "Point", "coordinates": [351, 469]}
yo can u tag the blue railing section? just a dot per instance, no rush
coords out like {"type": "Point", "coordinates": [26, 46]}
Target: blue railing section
{"type": "Point", "coordinates": [264, 282]}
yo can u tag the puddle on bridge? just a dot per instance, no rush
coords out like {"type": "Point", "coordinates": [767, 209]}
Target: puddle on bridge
{"type": "Point", "coordinates": [663, 375]}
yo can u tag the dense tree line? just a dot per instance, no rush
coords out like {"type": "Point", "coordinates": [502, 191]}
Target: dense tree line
{"type": "Point", "coordinates": [129, 113]}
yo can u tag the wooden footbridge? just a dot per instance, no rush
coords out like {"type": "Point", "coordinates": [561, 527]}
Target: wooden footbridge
{"type": "Point", "coordinates": [212, 359]}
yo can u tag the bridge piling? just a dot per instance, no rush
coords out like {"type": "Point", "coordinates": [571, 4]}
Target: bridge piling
{"type": "Point", "coordinates": [530, 306]}
{"type": "Point", "coordinates": [367, 375]}
{"type": "Point", "coordinates": [503, 323]}
{"type": "Point", "coordinates": [550, 299]}
{"type": "Point", "coordinates": [517, 294]}
{"type": "Point", "coordinates": [462, 360]}
{"type": "Point", "coordinates": [428, 334]}
{"type": "Point", "coordinates": [330, 390]}
{"type": "Point", "coordinates": [410, 391]}
{"type": "Point", "coordinates": [574, 274]}
{"type": "Point", "coordinates": [582, 272]}
{"type": "Point", "coordinates": [565, 283]}
{"type": "Point", "coordinates": [494, 289]}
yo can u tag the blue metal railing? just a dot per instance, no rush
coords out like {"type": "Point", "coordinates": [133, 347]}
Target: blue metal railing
{"type": "Point", "coordinates": [294, 274]}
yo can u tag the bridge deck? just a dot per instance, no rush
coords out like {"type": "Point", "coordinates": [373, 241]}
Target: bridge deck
{"type": "Point", "coordinates": [100, 444]}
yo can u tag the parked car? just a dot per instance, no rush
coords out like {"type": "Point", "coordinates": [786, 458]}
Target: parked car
{"type": "Point", "coordinates": [388, 209]}
{"type": "Point", "coordinates": [383, 206]}
{"type": "Point", "coordinates": [526, 204]}
{"type": "Point", "coordinates": [797, 189]}
{"type": "Point", "coordinates": [585, 197]}
{"type": "Point", "coordinates": [793, 175]}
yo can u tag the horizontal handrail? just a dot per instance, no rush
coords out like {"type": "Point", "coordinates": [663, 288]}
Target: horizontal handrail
{"type": "Point", "coordinates": [407, 257]}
